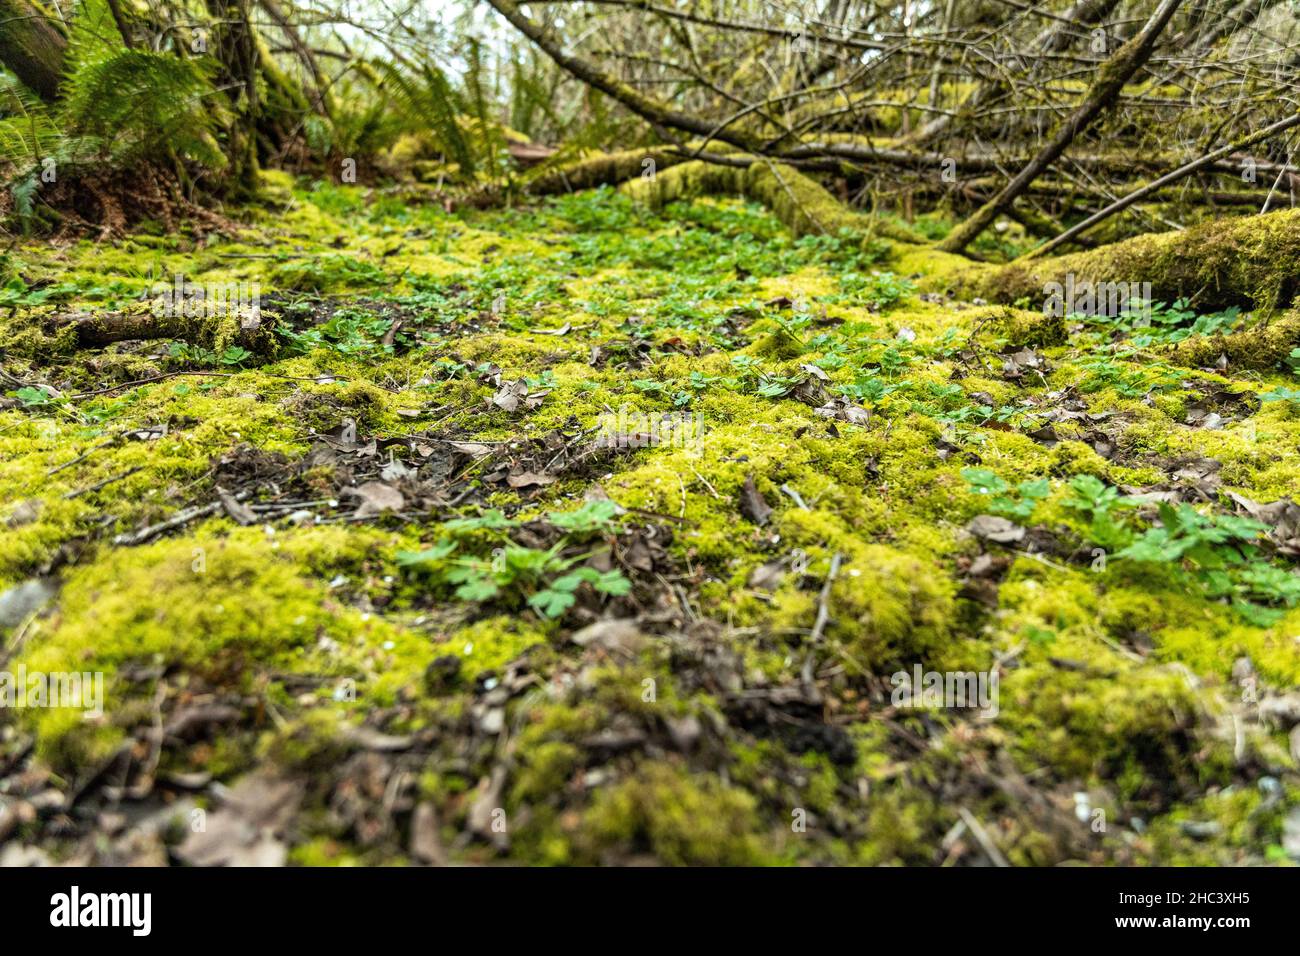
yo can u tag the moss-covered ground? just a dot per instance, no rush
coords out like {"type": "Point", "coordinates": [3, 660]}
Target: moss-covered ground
{"type": "Point", "coordinates": [591, 533]}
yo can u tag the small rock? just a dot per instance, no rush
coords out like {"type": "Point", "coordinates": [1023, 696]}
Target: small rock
{"type": "Point", "coordinates": [1202, 829]}
{"type": "Point", "coordinates": [493, 722]}
{"type": "Point", "coordinates": [995, 529]}
{"type": "Point", "coordinates": [22, 600]}
{"type": "Point", "coordinates": [615, 635]}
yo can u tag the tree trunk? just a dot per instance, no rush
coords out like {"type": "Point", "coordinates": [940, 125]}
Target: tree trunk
{"type": "Point", "coordinates": [32, 45]}
{"type": "Point", "coordinates": [236, 51]}
{"type": "Point", "coordinates": [1252, 262]}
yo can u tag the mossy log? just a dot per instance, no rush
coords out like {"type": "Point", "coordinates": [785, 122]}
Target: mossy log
{"type": "Point", "coordinates": [602, 169]}
{"type": "Point", "coordinates": [800, 202]}
{"type": "Point", "coordinates": [1252, 262]}
{"type": "Point", "coordinates": [217, 332]}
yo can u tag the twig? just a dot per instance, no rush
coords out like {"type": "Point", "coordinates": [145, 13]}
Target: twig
{"type": "Point", "coordinates": [795, 497]}
{"type": "Point", "coordinates": [982, 838]}
{"type": "Point", "coordinates": [77, 493]}
{"type": "Point", "coordinates": [82, 457]}
{"type": "Point", "coordinates": [824, 599]}
{"type": "Point", "coordinates": [184, 516]}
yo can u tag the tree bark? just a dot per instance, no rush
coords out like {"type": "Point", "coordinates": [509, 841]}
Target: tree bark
{"type": "Point", "coordinates": [32, 45]}
{"type": "Point", "coordinates": [236, 50]}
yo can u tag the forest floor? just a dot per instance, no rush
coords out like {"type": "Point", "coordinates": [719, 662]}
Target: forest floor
{"type": "Point", "coordinates": [579, 533]}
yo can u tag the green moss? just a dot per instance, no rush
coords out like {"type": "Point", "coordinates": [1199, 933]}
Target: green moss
{"type": "Point", "coordinates": [683, 819]}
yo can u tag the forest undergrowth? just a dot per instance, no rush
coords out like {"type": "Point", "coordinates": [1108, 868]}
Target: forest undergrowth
{"type": "Point", "coordinates": [583, 532]}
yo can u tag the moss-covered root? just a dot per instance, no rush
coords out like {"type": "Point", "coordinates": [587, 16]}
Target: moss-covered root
{"type": "Point", "coordinates": [802, 204]}
{"type": "Point", "coordinates": [600, 169]}
{"type": "Point", "coordinates": [1252, 262]}
{"type": "Point", "coordinates": [216, 331]}
{"type": "Point", "coordinates": [1261, 349]}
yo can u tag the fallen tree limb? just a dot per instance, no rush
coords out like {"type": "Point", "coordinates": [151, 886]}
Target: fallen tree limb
{"type": "Point", "coordinates": [798, 201]}
{"type": "Point", "coordinates": [90, 330]}
{"type": "Point", "coordinates": [1185, 170]}
{"type": "Point", "coordinates": [1112, 76]}
{"type": "Point", "coordinates": [1259, 349]}
{"type": "Point", "coordinates": [644, 106]}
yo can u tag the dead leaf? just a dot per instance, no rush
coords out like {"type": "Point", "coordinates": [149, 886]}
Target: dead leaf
{"type": "Point", "coordinates": [148, 433]}
{"type": "Point", "coordinates": [767, 577]}
{"type": "Point", "coordinates": [1281, 516]}
{"type": "Point", "coordinates": [426, 844]}
{"type": "Point", "coordinates": [248, 829]}
{"type": "Point", "coordinates": [367, 738]}
{"type": "Point", "coordinates": [815, 372]}
{"type": "Point", "coordinates": [752, 505]}
{"type": "Point", "coordinates": [996, 529]}
{"type": "Point", "coordinates": [376, 498]}
{"type": "Point", "coordinates": [842, 409]}
{"type": "Point", "coordinates": [528, 479]}
{"type": "Point", "coordinates": [620, 635]}
{"type": "Point", "coordinates": [510, 395]}
{"type": "Point", "coordinates": [484, 811]}
{"type": "Point", "coordinates": [473, 449]}
{"type": "Point", "coordinates": [25, 512]}
{"type": "Point", "coordinates": [395, 470]}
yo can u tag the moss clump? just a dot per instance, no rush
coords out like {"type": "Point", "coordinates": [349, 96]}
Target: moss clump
{"type": "Point", "coordinates": [216, 607]}
{"type": "Point", "coordinates": [1262, 348]}
{"type": "Point", "coordinates": [683, 818]}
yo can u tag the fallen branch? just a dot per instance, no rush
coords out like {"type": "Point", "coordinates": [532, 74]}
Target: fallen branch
{"type": "Point", "coordinates": [1182, 171]}
{"type": "Point", "coordinates": [1112, 76]}
{"type": "Point", "coordinates": [90, 330]}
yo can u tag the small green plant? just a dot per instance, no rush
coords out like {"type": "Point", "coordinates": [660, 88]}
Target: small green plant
{"type": "Point", "coordinates": [1019, 504]}
{"type": "Point", "coordinates": [560, 594]}
{"type": "Point", "coordinates": [594, 517]}
{"type": "Point", "coordinates": [17, 294]}
{"type": "Point", "coordinates": [547, 580]}
{"type": "Point", "coordinates": [1282, 394]}
{"type": "Point", "coordinates": [879, 290]}
{"type": "Point", "coordinates": [1097, 503]}
{"type": "Point", "coordinates": [35, 396]}
{"type": "Point", "coordinates": [1159, 323]}
{"type": "Point", "coordinates": [869, 388]}
{"type": "Point", "coordinates": [1209, 542]}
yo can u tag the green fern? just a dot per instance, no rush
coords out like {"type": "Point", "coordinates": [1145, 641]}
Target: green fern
{"type": "Point", "coordinates": [428, 102]}
{"type": "Point", "coordinates": [140, 105]}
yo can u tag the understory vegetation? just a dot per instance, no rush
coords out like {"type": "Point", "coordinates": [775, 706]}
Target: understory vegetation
{"type": "Point", "coordinates": [533, 504]}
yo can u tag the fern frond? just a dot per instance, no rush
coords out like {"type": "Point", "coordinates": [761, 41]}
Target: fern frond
{"type": "Point", "coordinates": [146, 105]}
